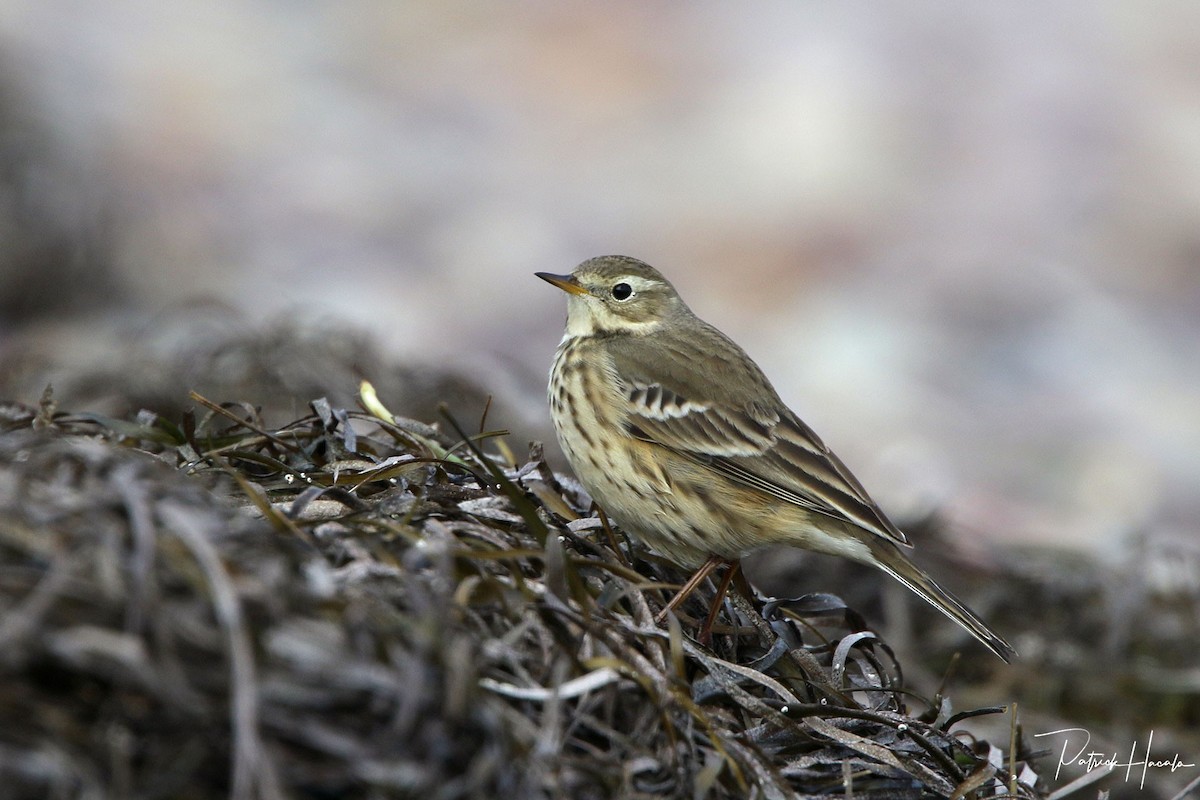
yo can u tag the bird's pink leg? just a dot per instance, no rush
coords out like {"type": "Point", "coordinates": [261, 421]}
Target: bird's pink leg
{"type": "Point", "coordinates": [705, 570]}
{"type": "Point", "coordinates": [705, 637]}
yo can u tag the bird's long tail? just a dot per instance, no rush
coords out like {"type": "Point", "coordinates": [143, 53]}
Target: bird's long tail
{"type": "Point", "coordinates": [895, 563]}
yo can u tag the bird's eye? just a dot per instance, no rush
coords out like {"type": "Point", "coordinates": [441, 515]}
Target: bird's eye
{"type": "Point", "coordinates": [622, 291]}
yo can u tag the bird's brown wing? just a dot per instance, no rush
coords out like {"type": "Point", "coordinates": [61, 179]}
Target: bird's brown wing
{"type": "Point", "coordinates": [747, 434]}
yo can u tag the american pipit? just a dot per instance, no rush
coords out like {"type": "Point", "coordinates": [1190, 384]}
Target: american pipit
{"type": "Point", "coordinates": [682, 440]}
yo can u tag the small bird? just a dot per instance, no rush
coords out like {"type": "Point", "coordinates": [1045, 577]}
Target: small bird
{"type": "Point", "coordinates": [678, 435]}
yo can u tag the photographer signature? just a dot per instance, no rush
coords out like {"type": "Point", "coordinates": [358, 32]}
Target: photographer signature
{"type": "Point", "coordinates": [1075, 752]}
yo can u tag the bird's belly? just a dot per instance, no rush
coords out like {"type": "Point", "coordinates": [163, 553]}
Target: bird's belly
{"type": "Point", "coordinates": [664, 500]}
{"type": "Point", "coordinates": [667, 501]}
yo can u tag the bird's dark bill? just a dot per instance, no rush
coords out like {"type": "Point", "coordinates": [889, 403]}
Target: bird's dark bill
{"type": "Point", "coordinates": [565, 282]}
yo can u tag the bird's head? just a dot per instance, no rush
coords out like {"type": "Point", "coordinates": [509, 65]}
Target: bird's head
{"type": "Point", "coordinates": [616, 294]}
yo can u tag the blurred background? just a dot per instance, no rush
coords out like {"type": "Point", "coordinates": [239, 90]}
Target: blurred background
{"type": "Point", "coordinates": [962, 239]}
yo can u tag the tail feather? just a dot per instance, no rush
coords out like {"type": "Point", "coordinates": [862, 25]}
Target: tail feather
{"type": "Point", "coordinates": [891, 560]}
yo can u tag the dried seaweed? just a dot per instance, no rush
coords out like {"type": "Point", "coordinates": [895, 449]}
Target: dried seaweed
{"type": "Point", "coordinates": [351, 605]}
